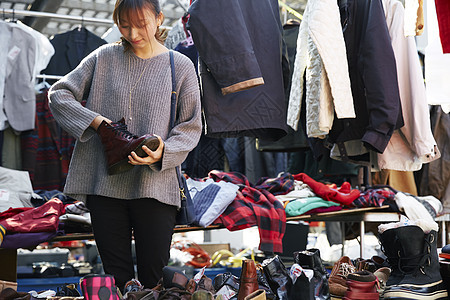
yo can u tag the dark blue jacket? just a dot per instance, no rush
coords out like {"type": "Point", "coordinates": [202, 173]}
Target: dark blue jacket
{"type": "Point", "coordinates": [373, 76]}
{"type": "Point", "coordinates": [239, 43]}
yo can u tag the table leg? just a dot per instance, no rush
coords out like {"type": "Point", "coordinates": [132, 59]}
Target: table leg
{"type": "Point", "coordinates": [362, 231]}
{"type": "Point", "coordinates": [343, 237]}
{"type": "Point", "coordinates": [444, 233]}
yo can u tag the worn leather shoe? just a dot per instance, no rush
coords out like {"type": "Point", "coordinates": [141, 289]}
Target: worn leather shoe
{"type": "Point", "coordinates": [338, 277]}
{"type": "Point", "coordinates": [118, 143]}
{"type": "Point", "coordinates": [249, 279]}
{"type": "Point", "coordinates": [361, 285]}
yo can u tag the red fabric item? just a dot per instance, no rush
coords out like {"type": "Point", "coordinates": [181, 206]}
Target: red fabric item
{"type": "Point", "coordinates": [443, 17]}
{"type": "Point", "coordinates": [323, 210]}
{"type": "Point", "coordinates": [44, 218]}
{"type": "Point", "coordinates": [344, 195]}
{"type": "Point", "coordinates": [12, 212]}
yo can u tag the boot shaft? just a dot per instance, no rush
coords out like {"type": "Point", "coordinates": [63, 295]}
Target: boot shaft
{"type": "Point", "coordinates": [310, 259]}
{"type": "Point", "coordinates": [277, 276]}
{"type": "Point", "coordinates": [415, 272]}
{"type": "Point", "coordinates": [248, 282]}
{"type": "Point", "coordinates": [410, 251]}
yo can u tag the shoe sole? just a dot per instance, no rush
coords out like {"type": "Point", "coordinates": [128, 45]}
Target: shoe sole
{"type": "Point", "coordinates": [433, 291]}
{"type": "Point", "coordinates": [123, 166]}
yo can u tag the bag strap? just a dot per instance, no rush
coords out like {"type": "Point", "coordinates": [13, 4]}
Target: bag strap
{"type": "Point", "coordinates": [173, 107]}
{"type": "Point", "coordinates": [173, 97]}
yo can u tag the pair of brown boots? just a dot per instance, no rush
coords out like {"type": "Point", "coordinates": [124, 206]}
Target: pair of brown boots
{"type": "Point", "coordinates": [118, 143]}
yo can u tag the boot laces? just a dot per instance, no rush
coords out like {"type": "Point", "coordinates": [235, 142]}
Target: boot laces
{"type": "Point", "coordinates": [424, 259]}
{"type": "Point", "coordinates": [121, 129]}
{"type": "Point", "coordinates": [345, 269]}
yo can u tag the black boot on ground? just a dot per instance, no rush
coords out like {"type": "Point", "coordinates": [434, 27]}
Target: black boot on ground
{"type": "Point", "coordinates": [118, 143]}
{"type": "Point", "coordinates": [310, 259]}
{"type": "Point", "coordinates": [413, 258]}
{"type": "Point", "coordinates": [277, 277]}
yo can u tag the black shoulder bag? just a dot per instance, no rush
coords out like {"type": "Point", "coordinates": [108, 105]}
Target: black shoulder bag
{"type": "Point", "coordinates": [186, 213]}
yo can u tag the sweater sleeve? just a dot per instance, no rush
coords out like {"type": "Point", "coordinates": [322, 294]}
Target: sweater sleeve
{"type": "Point", "coordinates": [65, 98]}
{"type": "Point", "coordinates": [184, 136]}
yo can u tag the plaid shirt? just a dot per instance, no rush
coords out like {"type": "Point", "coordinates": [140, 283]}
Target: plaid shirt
{"type": "Point", "coordinates": [46, 150]}
{"type": "Point", "coordinates": [373, 197]}
{"type": "Point", "coordinates": [256, 206]}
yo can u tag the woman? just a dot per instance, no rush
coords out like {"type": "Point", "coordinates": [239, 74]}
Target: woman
{"type": "Point", "coordinates": [130, 190]}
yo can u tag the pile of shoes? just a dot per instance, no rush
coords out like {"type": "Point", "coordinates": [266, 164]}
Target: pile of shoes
{"type": "Point", "coordinates": [359, 278]}
{"type": "Point", "coordinates": [306, 279]}
{"type": "Point", "coordinates": [410, 271]}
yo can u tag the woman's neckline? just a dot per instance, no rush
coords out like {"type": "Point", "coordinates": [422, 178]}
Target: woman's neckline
{"type": "Point", "coordinates": [149, 58]}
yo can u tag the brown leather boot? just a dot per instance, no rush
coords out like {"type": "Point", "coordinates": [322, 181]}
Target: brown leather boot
{"type": "Point", "coordinates": [118, 143]}
{"type": "Point", "coordinates": [249, 279]}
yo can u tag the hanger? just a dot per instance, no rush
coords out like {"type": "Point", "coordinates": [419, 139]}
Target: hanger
{"type": "Point", "coordinates": [13, 20]}
{"type": "Point", "coordinates": [81, 25]}
{"type": "Point", "coordinates": [39, 87]}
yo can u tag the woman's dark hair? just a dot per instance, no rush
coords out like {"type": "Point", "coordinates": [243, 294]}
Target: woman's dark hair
{"type": "Point", "coordinates": [133, 10]}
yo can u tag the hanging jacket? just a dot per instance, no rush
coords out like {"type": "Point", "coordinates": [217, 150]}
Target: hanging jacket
{"type": "Point", "coordinates": [413, 144]}
{"type": "Point", "coordinates": [70, 48]}
{"type": "Point", "coordinates": [239, 42]}
{"type": "Point", "coordinates": [19, 101]}
{"type": "Point", "coordinates": [373, 77]}
{"type": "Point", "coordinates": [321, 55]}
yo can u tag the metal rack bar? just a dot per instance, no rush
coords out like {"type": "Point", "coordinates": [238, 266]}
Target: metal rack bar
{"type": "Point", "coordinates": [44, 76]}
{"type": "Point", "coordinates": [29, 13]}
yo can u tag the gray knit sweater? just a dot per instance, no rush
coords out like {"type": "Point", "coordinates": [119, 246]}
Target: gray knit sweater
{"type": "Point", "coordinates": [103, 79]}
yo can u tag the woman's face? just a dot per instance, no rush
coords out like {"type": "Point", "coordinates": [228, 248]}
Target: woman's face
{"type": "Point", "coordinates": [139, 29]}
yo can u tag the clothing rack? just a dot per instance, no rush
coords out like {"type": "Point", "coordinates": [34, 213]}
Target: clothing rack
{"type": "Point", "coordinates": [44, 76]}
{"type": "Point", "coordinates": [82, 19]}
{"type": "Point", "coordinates": [29, 13]}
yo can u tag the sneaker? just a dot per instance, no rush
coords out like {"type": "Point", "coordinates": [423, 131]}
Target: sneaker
{"type": "Point", "coordinates": [132, 285]}
{"type": "Point", "coordinates": [338, 277]}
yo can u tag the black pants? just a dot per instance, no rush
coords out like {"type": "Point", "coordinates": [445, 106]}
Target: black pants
{"type": "Point", "coordinates": [116, 221]}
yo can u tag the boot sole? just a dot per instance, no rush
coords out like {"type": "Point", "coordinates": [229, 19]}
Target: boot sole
{"type": "Point", "coordinates": [123, 166]}
{"type": "Point", "coordinates": [433, 291]}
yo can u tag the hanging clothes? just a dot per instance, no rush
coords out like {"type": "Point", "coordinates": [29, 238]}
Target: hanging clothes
{"type": "Point", "coordinates": [18, 95]}
{"type": "Point", "coordinates": [437, 63]}
{"type": "Point", "coordinates": [46, 150]}
{"type": "Point", "coordinates": [240, 67]}
{"type": "Point", "coordinates": [443, 16]}
{"type": "Point", "coordinates": [5, 36]}
{"type": "Point", "coordinates": [435, 176]}
{"type": "Point", "coordinates": [28, 53]}
{"type": "Point", "coordinates": [373, 77]}
{"type": "Point", "coordinates": [70, 48]}
{"type": "Point", "coordinates": [413, 144]}
{"type": "Point", "coordinates": [321, 58]}
{"type": "Point", "coordinates": [295, 140]}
